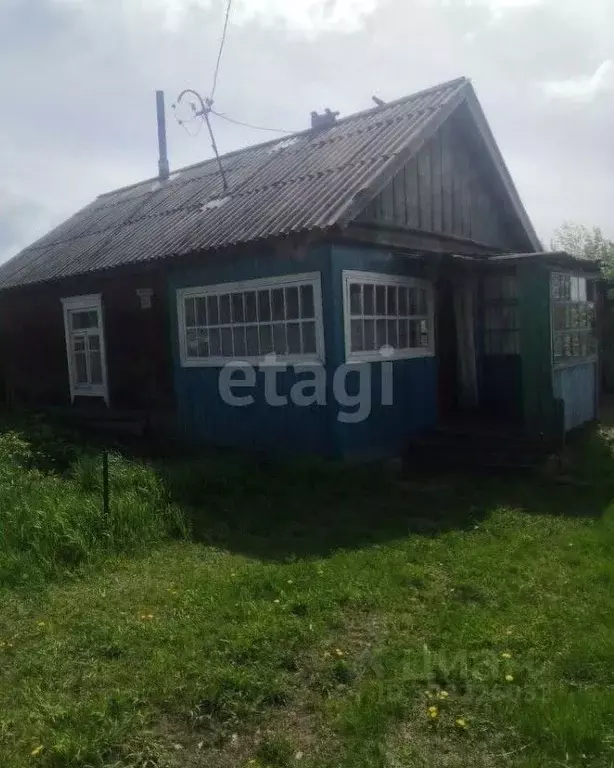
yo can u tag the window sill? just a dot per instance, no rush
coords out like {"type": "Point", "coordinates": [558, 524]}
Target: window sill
{"type": "Point", "coordinates": [256, 362]}
{"type": "Point", "coordinates": [377, 357]}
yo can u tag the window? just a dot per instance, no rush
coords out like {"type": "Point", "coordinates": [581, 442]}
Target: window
{"type": "Point", "coordinates": [387, 311]}
{"type": "Point", "coordinates": [249, 320]}
{"type": "Point", "coordinates": [501, 321]}
{"type": "Point", "coordinates": [573, 317]}
{"type": "Point", "coordinates": [85, 346]}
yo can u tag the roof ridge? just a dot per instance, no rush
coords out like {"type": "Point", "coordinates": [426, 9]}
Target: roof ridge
{"type": "Point", "coordinates": [458, 81]}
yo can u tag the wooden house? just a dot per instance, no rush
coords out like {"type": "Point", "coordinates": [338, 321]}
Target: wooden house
{"type": "Point", "coordinates": [392, 240]}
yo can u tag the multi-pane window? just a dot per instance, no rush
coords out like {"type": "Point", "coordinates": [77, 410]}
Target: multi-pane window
{"type": "Point", "coordinates": [501, 320]}
{"type": "Point", "coordinates": [248, 321]}
{"type": "Point", "coordinates": [85, 345]}
{"type": "Point", "coordinates": [573, 317]}
{"type": "Point", "coordinates": [385, 311]}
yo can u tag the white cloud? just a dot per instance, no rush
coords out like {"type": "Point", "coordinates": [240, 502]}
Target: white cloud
{"type": "Point", "coordinates": [583, 88]}
{"type": "Point", "coordinates": [304, 16]}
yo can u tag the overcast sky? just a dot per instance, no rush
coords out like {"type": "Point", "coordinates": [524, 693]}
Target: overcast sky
{"type": "Point", "coordinates": [77, 77]}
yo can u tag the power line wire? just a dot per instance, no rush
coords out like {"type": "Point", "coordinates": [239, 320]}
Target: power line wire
{"type": "Point", "coordinates": [221, 50]}
{"type": "Point", "coordinates": [249, 125]}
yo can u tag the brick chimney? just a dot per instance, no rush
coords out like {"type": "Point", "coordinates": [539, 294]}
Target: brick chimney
{"type": "Point", "coordinates": [325, 120]}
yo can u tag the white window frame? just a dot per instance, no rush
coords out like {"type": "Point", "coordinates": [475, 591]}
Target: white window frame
{"type": "Point", "coordinates": [569, 362]}
{"type": "Point", "coordinates": [280, 281]}
{"type": "Point", "coordinates": [92, 302]}
{"type": "Point", "coordinates": [377, 278]}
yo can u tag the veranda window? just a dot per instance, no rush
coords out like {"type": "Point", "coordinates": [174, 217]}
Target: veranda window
{"type": "Point", "coordinates": [573, 318]}
{"type": "Point", "coordinates": [250, 320]}
{"type": "Point", "coordinates": [387, 311]}
{"type": "Point", "coordinates": [501, 320]}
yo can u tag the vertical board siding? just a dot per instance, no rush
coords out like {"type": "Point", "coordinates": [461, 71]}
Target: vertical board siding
{"type": "Point", "coordinates": [576, 386]}
{"type": "Point", "coordinates": [446, 189]}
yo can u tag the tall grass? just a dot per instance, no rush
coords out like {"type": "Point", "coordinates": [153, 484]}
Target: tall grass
{"type": "Point", "coordinates": [51, 521]}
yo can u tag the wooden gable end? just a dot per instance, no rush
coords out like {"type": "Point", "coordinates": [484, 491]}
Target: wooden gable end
{"type": "Point", "coordinates": [450, 188]}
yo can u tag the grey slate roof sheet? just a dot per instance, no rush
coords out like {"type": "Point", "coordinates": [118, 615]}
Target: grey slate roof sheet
{"type": "Point", "coordinates": [304, 182]}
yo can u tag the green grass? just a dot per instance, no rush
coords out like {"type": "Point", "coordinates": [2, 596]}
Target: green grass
{"type": "Point", "coordinates": [311, 618]}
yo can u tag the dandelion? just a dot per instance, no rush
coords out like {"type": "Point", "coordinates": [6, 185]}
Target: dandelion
{"type": "Point", "coordinates": [290, 581]}
{"type": "Point", "coordinates": [433, 712]}
{"type": "Point", "coordinates": [40, 624]}
{"type": "Point", "coordinates": [443, 695]}
{"type": "Point", "coordinates": [277, 602]}
{"type": "Point", "coordinates": [338, 651]}
{"type": "Point", "coordinates": [509, 679]}
{"type": "Point", "coordinates": [461, 723]}
{"type": "Point", "coordinates": [36, 752]}
{"type": "Point", "coordinates": [506, 655]}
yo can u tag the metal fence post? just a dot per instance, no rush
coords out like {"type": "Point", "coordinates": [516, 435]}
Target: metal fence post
{"type": "Point", "coordinates": [105, 481]}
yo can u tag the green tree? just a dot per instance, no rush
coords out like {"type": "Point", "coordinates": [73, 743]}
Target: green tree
{"type": "Point", "coordinates": [586, 244]}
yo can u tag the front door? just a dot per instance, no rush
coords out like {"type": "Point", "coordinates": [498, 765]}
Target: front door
{"type": "Point", "coordinates": [83, 323]}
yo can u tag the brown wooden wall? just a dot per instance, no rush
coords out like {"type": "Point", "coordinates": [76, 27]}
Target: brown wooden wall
{"type": "Point", "coordinates": [450, 187]}
{"type": "Point", "coordinates": [33, 360]}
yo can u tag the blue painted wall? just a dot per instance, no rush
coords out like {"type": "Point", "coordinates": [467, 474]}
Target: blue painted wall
{"type": "Point", "coordinates": [576, 387]}
{"type": "Point", "coordinates": [203, 415]}
{"type": "Point", "coordinates": [414, 408]}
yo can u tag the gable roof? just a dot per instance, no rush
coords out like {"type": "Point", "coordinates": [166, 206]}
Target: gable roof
{"type": "Point", "coordinates": [315, 179]}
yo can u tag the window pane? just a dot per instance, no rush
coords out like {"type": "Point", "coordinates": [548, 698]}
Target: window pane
{"type": "Point", "coordinates": [264, 305]}
{"type": "Point", "coordinates": [251, 333]}
{"type": "Point", "coordinates": [369, 334]}
{"type": "Point", "coordinates": [277, 296]}
{"type": "Point", "coordinates": [215, 342]}
{"type": "Point", "coordinates": [238, 315]}
{"type": "Point", "coordinates": [226, 342]}
{"type": "Point", "coordinates": [96, 367]}
{"type": "Point", "coordinates": [81, 368]}
{"type": "Point", "coordinates": [238, 338]}
{"type": "Point", "coordinates": [380, 299]}
{"type": "Point", "coordinates": [423, 302]}
{"type": "Point", "coordinates": [251, 312]}
{"type": "Point", "coordinates": [292, 312]}
{"type": "Point", "coordinates": [380, 334]}
{"type": "Point", "coordinates": [225, 309]}
{"type": "Point", "coordinates": [403, 303]}
{"type": "Point", "coordinates": [294, 338]}
{"type": "Point", "coordinates": [393, 333]}
{"type": "Point", "coordinates": [79, 343]}
{"type": "Point", "coordinates": [358, 340]}
{"type": "Point", "coordinates": [403, 334]}
{"type": "Point", "coordinates": [392, 300]}
{"type": "Point", "coordinates": [84, 319]}
{"type": "Point", "coordinates": [309, 338]}
{"type": "Point", "coordinates": [307, 301]}
{"type": "Point", "coordinates": [190, 313]}
{"type": "Point", "coordinates": [93, 342]}
{"type": "Point", "coordinates": [213, 315]}
{"type": "Point", "coordinates": [356, 299]}
{"type": "Point", "coordinates": [192, 342]}
{"type": "Point", "coordinates": [413, 301]}
{"type": "Point", "coordinates": [414, 334]}
{"type": "Point", "coordinates": [369, 299]}
{"type": "Point", "coordinates": [266, 339]}
{"type": "Point", "coordinates": [424, 334]}
{"type": "Point", "coordinates": [203, 342]}
{"type": "Point", "coordinates": [279, 338]}
{"type": "Point", "coordinates": [201, 311]}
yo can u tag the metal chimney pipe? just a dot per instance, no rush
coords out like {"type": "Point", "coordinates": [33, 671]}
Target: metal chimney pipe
{"type": "Point", "coordinates": [163, 167]}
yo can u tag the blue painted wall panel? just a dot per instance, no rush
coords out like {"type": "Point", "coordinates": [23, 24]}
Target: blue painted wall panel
{"type": "Point", "coordinates": [202, 413]}
{"type": "Point", "coordinates": [576, 387]}
{"type": "Point", "coordinates": [415, 393]}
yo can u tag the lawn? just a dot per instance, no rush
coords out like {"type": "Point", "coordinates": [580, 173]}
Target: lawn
{"type": "Point", "coordinates": [233, 612]}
